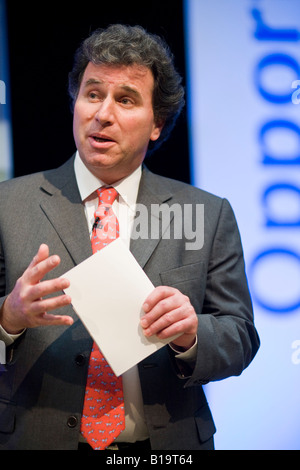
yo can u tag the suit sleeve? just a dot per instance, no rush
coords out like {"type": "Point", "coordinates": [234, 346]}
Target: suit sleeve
{"type": "Point", "coordinates": [2, 275]}
{"type": "Point", "coordinates": [7, 339]}
{"type": "Point", "coordinates": [227, 337]}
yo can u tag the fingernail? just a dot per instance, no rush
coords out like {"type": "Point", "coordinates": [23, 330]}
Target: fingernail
{"type": "Point", "coordinates": [53, 260]}
{"type": "Point", "coordinates": [65, 283]}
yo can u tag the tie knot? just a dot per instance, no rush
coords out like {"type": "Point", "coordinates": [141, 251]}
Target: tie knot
{"type": "Point", "coordinates": [107, 195]}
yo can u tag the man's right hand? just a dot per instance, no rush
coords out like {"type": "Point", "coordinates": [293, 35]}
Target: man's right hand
{"type": "Point", "coordinates": [25, 306]}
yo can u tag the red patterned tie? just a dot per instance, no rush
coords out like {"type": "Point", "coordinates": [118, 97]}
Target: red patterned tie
{"type": "Point", "coordinates": [103, 417]}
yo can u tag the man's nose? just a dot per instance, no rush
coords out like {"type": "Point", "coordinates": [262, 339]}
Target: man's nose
{"type": "Point", "coordinates": [105, 112]}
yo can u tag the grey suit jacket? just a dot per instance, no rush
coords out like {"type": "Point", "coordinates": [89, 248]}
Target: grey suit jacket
{"type": "Point", "coordinates": [42, 391]}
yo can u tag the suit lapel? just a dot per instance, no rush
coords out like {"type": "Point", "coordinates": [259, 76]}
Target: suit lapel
{"type": "Point", "coordinates": [62, 205]}
{"type": "Point", "coordinates": [151, 191]}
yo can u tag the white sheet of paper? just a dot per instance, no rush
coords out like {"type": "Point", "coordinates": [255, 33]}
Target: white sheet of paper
{"type": "Point", "coordinates": [108, 291]}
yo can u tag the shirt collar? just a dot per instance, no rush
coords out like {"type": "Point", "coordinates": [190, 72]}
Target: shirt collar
{"type": "Point", "coordinates": [88, 183]}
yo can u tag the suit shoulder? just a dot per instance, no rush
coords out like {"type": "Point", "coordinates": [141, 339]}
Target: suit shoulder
{"type": "Point", "coordinates": [21, 180]}
{"type": "Point", "coordinates": [18, 187]}
{"type": "Point", "coordinates": [30, 182]}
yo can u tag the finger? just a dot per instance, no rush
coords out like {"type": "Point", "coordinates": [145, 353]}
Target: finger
{"type": "Point", "coordinates": [42, 254]}
{"type": "Point", "coordinates": [166, 321]}
{"type": "Point", "coordinates": [156, 295]}
{"type": "Point", "coordinates": [53, 303]}
{"type": "Point", "coordinates": [47, 305]}
{"type": "Point", "coordinates": [162, 314]}
{"type": "Point", "coordinates": [173, 329]}
{"type": "Point", "coordinates": [45, 288]}
{"type": "Point", "coordinates": [49, 319]}
{"type": "Point", "coordinates": [182, 333]}
{"type": "Point", "coordinates": [39, 270]}
{"type": "Point", "coordinates": [160, 302]}
{"type": "Point", "coordinates": [171, 315]}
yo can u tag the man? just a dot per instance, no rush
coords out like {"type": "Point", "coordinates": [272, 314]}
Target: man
{"type": "Point", "coordinates": [127, 96]}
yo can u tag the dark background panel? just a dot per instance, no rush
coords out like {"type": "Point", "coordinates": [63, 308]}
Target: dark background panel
{"type": "Point", "coordinates": [42, 40]}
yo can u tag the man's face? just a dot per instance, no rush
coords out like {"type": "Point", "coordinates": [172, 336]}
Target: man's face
{"type": "Point", "coordinates": [114, 120]}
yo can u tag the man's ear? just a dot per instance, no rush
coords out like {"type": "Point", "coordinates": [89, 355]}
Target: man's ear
{"type": "Point", "coordinates": [157, 128]}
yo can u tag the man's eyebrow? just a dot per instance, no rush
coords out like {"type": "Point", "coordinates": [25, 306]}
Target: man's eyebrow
{"type": "Point", "coordinates": [127, 88]}
{"type": "Point", "coordinates": [93, 81]}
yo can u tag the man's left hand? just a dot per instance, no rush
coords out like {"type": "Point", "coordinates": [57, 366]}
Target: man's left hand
{"type": "Point", "coordinates": [168, 312]}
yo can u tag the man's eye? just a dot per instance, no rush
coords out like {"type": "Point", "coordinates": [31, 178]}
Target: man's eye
{"type": "Point", "coordinates": [126, 101]}
{"type": "Point", "coordinates": [93, 96]}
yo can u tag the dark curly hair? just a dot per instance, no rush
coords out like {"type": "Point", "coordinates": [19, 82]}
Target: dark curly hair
{"type": "Point", "coordinates": [128, 45]}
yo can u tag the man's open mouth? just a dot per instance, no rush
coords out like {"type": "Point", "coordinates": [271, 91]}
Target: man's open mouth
{"type": "Point", "coordinates": [102, 139]}
{"type": "Point", "coordinates": [99, 139]}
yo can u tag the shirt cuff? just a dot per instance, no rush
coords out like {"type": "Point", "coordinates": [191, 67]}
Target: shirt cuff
{"type": "Point", "coordinates": [188, 355]}
{"type": "Point", "coordinates": [7, 338]}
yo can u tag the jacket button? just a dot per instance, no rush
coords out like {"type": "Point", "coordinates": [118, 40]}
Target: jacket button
{"type": "Point", "coordinates": [80, 359]}
{"type": "Point", "coordinates": [72, 421]}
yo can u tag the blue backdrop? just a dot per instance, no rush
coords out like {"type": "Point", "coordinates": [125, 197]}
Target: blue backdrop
{"type": "Point", "coordinates": [243, 63]}
{"type": "Point", "coordinates": [6, 160]}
